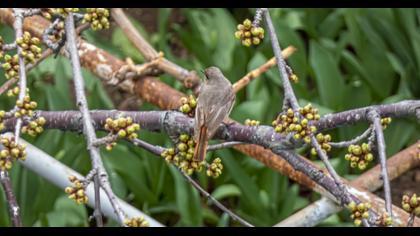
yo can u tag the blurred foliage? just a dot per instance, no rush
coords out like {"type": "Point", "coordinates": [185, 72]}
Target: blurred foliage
{"type": "Point", "coordinates": [346, 58]}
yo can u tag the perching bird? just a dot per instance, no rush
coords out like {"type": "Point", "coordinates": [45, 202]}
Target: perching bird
{"type": "Point", "coordinates": [214, 104]}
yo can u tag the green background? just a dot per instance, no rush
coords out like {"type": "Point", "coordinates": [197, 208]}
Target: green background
{"type": "Point", "coordinates": [346, 58]}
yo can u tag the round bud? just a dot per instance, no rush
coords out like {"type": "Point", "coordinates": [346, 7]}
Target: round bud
{"type": "Point", "coordinates": [246, 42]}
{"type": "Point", "coordinates": [247, 24]}
{"type": "Point", "coordinates": [239, 34]}
{"type": "Point", "coordinates": [182, 147]}
{"type": "Point", "coordinates": [122, 133]}
{"type": "Point", "coordinates": [68, 190]}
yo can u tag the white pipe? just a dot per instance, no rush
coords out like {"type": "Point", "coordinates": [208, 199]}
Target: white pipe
{"type": "Point", "coordinates": [57, 173]}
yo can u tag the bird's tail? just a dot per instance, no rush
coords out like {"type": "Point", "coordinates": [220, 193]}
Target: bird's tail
{"type": "Point", "coordinates": [201, 145]}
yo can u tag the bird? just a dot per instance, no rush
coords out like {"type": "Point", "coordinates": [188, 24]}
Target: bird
{"type": "Point", "coordinates": [214, 104]}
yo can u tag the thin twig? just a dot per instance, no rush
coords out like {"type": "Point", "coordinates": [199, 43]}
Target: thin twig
{"type": "Point", "coordinates": [290, 98]}
{"type": "Point", "coordinates": [56, 173]}
{"type": "Point", "coordinates": [189, 78]}
{"type": "Point", "coordinates": [223, 145]}
{"type": "Point", "coordinates": [157, 150]}
{"type": "Point", "coordinates": [4, 87]}
{"type": "Point", "coordinates": [22, 69]}
{"type": "Point", "coordinates": [244, 81]}
{"type": "Point", "coordinates": [8, 47]}
{"type": "Point", "coordinates": [355, 140]}
{"type": "Point", "coordinates": [105, 140]}
{"type": "Point", "coordinates": [11, 199]}
{"type": "Point", "coordinates": [214, 200]}
{"type": "Point", "coordinates": [375, 119]}
{"type": "Point", "coordinates": [327, 164]}
{"type": "Point", "coordinates": [289, 94]}
{"type": "Point", "coordinates": [31, 12]}
{"type": "Point", "coordinates": [101, 177]}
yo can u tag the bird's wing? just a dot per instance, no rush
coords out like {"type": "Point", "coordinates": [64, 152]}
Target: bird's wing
{"type": "Point", "coordinates": [219, 112]}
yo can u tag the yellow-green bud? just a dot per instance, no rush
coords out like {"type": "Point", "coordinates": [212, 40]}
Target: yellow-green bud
{"type": "Point", "coordinates": [182, 147]}
{"type": "Point", "coordinates": [122, 133]}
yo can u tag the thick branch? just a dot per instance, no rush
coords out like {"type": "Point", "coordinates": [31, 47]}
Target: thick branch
{"type": "Point", "coordinates": [320, 210]}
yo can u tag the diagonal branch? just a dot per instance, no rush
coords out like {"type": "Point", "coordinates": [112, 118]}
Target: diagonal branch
{"type": "Point", "coordinates": [189, 78]}
{"type": "Point", "coordinates": [375, 119]}
{"type": "Point", "coordinates": [244, 81]}
{"type": "Point", "coordinates": [101, 178]}
{"type": "Point", "coordinates": [57, 173]}
{"type": "Point", "coordinates": [289, 94]}
{"type": "Point", "coordinates": [157, 150]}
{"type": "Point", "coordinates": [290, 99]}
{"type": "Point", "coordinates": [320, 210]}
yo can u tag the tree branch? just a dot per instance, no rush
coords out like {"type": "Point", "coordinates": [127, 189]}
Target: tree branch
{"type": "Point", "coordinates": [289, 94]}
{"type": "Point", "coordinates": [189, 78]}
{"type": "Point", "coordinates": [88, 129]}
{"type": "Point", "coordinates": [320, 210]}
{"type": "Point", "coordinates": [11, 199]}
{"type": "Point", "coordinates": [375, 119]}
{"type": "Point", "coordinates": [244, 81]}
{"type": "Point", "coordinates": [157, 150]}
{"type": "Point", "coordinates": [57, 173]}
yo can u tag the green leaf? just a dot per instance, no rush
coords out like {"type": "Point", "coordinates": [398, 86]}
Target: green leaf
{"type": "Point", "coordinates": [67, 213]}
{"type": "Point", "coordinates": [226, 190]}
{"type": "Point", "coordinates": [247, 186]}
{"type": "Point", "coordinates": [187, 200]}
{"type": "Point", "coordinates": [329, 81]}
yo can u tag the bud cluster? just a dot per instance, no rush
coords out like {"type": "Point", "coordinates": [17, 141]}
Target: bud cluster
{"type": "Point", "coordinates": [359, 211]}
{"type": "Point", "coordinates": [49, 12]}
{"type": "Point", "coordinates": [323, 141]}
{"type": "Point", "coordinates": [182, 155]}
{"type": "Point", "coordinates": [385, 122]}
{"type": "Point", "coordinates": [11, 66]}
{"type": "Point", "coordinates": [123, 127]}
{"type": "Point", "coordinates": [15, 91]}
{"type": "Point", "coordinates": [384, 220]}
{"type": "Point", "coordinates": [250, 122]}
{"type": "Point", "coordinates": [78, 191]}
{"type": "Point", "coordinates": [30, 46]}
{"type": "Point", "coordinates": [12, 151]}
{"type": "Point", "coordinates": [359, 155]}
{"type": "Point", "coordinates": [411, 204]}
{"type": "Point", "coordinates": [25, 107]}
{"type": "Point", "coordinates": [35, 127]}
{"type": "Point", "coordinates": [249, 34]}
{"type": "Point", "coordinates": [97, 17]}
{"type": "Point", "coordinates": [215, 168]}
{"type": "Point", "coordinates": [188, 105]}
{"type": "Point", "coordinates": [289, 122]}
{"type": "Point", "coordinates": [136, 222]}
